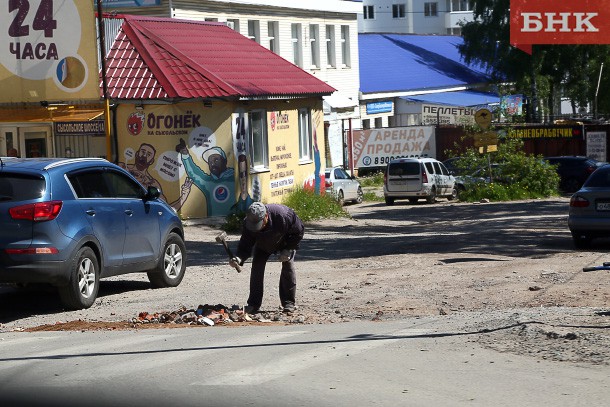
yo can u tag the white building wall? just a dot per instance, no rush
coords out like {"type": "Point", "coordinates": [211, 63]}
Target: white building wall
{"type": "Point", "coordinates": [415, 21]}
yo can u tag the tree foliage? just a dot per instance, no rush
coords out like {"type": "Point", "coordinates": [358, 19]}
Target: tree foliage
{"type": "Point", "coordinates": [551, 72]}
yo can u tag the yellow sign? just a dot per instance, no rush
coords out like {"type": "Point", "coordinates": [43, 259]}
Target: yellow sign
{"type": "Point", "coordinates": [488, 149]}
{"type": "Point", "coordinates": [483, 118]}
{"type": "Point", "coordinates": [48, 51]}
{"type": "Point", "coordinates": [487, 138]}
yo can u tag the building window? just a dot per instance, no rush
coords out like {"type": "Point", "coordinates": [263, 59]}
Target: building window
{"type": "Point", "coordinates": [233, 24]}
{"type": "Point", "coordinates": [305, 153]}
{"type": "Point", "coordinates": [366, 124]}
{"type": "Point", "coordinates": [430, 9]}
{"type": "Point", "coordinates": [272, 34]}
{"type": "Point", "coordinates": [378, 122]}
{"type": "Point", "coordinates": [254, 30]}
{"type": "Point", "coordinates": [297, 49]}
{"type": "Point", "coordinates": [258, 146]}
{"type": "Point", "coordinates": [211, 19]}
{"type": "Point", "coordinates": [369, 12]}
{"type": "Point", "coordinates": [398, 11]}
{"type": "Point", "coordinates": [345, 55]}
{"type": "Point", "coordinates": [314, 40]}
{"type": "Point", "coordinates": [460, 5]}
{"type": "Point", "coordinates": [331, 60]}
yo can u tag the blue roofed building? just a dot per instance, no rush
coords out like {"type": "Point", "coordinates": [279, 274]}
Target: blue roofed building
{"type": "Point", "coordinates": [410, 80]}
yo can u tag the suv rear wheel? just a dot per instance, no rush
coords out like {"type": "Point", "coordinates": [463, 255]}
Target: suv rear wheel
{"type": "Point", "coordinates": [432, 198]}
{"type": "Point", "coordinates": [454, 194]}
{"type": "Point", "coordinates": [389, 201]}
{"type": "Point", "coordinates": [84, 283]}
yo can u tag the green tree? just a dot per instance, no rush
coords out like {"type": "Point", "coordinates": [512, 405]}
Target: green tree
{"type": "Point", "coordinates": [552, 71]}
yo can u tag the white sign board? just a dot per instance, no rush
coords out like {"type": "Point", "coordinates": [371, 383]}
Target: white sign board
{"type": "Point", "coordinates": [596, 145]}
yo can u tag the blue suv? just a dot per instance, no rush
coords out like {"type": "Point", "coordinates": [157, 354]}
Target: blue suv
{"type": "Point", "coordinates": [70, 222]}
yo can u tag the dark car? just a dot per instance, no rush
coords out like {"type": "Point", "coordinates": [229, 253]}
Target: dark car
{"type": "Point", "coordinates": [573, 171]}
{"type": "Point", "coordinates": [589, 215]}
{"type": "Point", "coordinates": [70, 222]}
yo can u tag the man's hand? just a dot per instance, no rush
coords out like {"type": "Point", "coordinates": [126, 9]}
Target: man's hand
{"type": "Point", "coordinates": [286, 255]}
{"type": "Point", "coordinates": [235, 262]}
{"type": "Point", "coordinates": [181, 148]}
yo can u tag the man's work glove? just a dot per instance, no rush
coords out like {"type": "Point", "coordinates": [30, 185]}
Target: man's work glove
{"type": "Point", "coordinates": [286, 255]}
{"type": "Point", "coordinates": [235, 262]}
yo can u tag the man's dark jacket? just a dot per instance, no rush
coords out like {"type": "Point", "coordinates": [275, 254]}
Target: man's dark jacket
{"type": "Point", "coordinates": [283, 231]}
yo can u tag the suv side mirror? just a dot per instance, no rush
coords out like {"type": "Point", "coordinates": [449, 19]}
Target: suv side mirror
{"type": "Point", "coordinates": [152, 193]}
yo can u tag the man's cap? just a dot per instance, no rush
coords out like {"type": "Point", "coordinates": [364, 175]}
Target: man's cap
{"type": "Point", "coordinates": [255, 215]}
{"type": "Point", "coordinates": [211, 151]}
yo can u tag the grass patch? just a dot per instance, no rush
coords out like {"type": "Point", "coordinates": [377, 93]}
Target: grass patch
{"type": "Point", "coordinates": [309, 206]}
{"type": "Point", "coordinates": [374, 180]}
{"type": "Point", "coordinates": [372, 197]}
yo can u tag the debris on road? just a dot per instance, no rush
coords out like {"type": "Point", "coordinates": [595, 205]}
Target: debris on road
{"type": "Point", "coordinates": [211, 315]}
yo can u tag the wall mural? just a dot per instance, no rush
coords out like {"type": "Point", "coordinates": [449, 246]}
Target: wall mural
{"type": "Point", "coordinates": [240, 131]}
{"type": "Point", "coordinates": [217, 185]}
{"type": "Point", "coordinates": [316, 181]}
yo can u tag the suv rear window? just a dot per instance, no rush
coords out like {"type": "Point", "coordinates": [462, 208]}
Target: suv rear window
{"type": "Point", "coordinates": [19, 187]}
{"type": "Point", "coordinates": [406, 168]}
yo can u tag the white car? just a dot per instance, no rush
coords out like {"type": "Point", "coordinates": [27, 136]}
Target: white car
{"type": "Point", "coordinates": [415, 178]}
{"type": "Point", "coordinates": [342, 186]}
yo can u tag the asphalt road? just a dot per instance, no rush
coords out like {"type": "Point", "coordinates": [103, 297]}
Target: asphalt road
{"type": "Point", "coordinates": [419, 362]}
{"type": "Point", "coordinates": [471, 261]}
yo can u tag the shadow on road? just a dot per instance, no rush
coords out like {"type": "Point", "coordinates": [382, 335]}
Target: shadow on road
{"type": "Point", "coordinates": [533, 229]}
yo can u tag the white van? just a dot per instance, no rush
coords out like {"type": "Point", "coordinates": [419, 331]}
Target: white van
{"type": "Point", "coordinates": [416, 178]}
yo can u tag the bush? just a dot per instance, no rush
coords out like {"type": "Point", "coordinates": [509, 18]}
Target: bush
{"type": "Point", "coordinates": [521, 176]}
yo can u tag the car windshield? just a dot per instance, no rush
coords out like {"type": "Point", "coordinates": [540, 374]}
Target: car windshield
{"type": "Point", "coordinates": [18, 187]}
{"type": "Point", "coordinates": [406, 168]}
{"type": "Point", "coordinates": [599, 179]}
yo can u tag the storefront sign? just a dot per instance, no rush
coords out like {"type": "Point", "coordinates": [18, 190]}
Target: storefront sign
{"type": "Point", "coordinates": [377, 147]}
{"type": "Point", "coordinates": [92, 128]}
{"type": "Point", "coordinates": [130, 3]}
{"type": "Point", "coordinates": [379, 107]}
{"type": "Point", "coordinates": [48, 51]}
{"type": "Point", "coordinates": [442, 114]}
{"type": "Point", "coordinates": [540, 132]}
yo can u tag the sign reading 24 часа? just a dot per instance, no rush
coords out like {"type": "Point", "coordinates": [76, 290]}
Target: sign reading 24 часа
{"type": "Point", "coordinates": [48, 50]}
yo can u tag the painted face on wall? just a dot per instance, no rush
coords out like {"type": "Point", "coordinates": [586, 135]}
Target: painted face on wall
{"type": "Point", "coordinates": [217, 164]}
{"type": "Point", "coordinates": [243, 177]}
{"type": "Point", "coordinates": [145, 155]}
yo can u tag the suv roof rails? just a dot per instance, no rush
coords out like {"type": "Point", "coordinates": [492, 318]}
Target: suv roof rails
{"type": "Point", "coordinates": [73, 160]}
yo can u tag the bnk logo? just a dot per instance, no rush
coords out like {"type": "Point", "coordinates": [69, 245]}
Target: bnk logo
{"type": "Point", "coordinates": [554, 22]}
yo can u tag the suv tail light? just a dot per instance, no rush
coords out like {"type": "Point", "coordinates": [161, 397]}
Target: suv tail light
{"type": "Point", "coordinates": [578, 201]}
{"type": "Point", "coordinates": [424, 176]}
{"type": "Point", "coordinates": [37, 212]}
